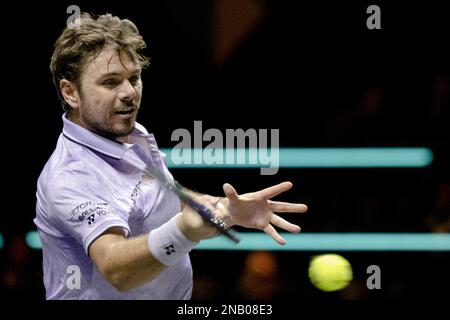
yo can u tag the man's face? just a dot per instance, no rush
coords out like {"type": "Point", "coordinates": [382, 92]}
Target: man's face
{"type": "Point", "coordinates": [111, 91]}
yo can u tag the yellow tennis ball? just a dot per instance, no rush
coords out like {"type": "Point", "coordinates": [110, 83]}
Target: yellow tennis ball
{"type": "Point", "coordinates": [330, 272]}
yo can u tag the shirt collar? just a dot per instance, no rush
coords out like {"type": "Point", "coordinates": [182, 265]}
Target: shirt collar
{"type": "Point", "coordinates": [96, 142]}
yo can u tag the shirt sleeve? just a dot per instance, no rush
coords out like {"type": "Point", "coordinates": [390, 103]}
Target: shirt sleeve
{"type": "Point", "coordinates": [77, 207]}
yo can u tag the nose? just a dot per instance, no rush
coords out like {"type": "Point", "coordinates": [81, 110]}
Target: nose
{"type": "Point", "coordinates": [127, 91]}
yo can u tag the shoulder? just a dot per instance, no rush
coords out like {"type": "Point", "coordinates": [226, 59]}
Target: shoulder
{"type": "Point", "coordinates": [68, 172]}
{"type": "Point", "coordinates": [67, 181]}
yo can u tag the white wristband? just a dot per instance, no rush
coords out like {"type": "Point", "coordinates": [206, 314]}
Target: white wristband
{"type": "Point", "coordinates": [168, 244]}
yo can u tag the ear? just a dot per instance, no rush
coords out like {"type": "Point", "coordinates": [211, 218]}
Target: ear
{"type": "Point", "coordinates": [70, 93]}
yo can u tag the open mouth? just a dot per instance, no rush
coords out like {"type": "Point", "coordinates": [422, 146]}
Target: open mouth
{"type": "Point", "coordinates": [125, 112]}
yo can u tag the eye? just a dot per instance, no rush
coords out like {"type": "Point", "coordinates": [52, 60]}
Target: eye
{"type": "Point", "coordinates": [110, 82]}
{"type": "Point", "coordinates": [134, 80]}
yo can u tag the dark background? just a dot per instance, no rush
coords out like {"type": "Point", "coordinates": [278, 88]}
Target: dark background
{"type": "Point", "coordinates": [314, 71]}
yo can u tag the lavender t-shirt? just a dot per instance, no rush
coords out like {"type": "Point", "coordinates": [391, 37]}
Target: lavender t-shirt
{"type": "Point", "coordinates": [88, 186]}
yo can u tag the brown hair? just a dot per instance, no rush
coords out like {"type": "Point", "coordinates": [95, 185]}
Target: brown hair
{"type": "Point", "coordinates": [82, 42]}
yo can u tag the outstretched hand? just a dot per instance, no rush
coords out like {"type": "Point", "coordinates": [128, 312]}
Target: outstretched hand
{"type": "Point", "coordinates": [255, 210]}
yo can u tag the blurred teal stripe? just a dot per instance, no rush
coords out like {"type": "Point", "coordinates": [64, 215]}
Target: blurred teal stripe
{"type": "Point", "coordinates": [2, 241]}
{"type": "Point", "coordinates": [318, 158]}
{"type": "Point", "coordinates": [334, 242]}
{"type": "Point", "coordinates": [32, 240]}
{"type": "Point", "coordinates": [356, 157]}
{"type": "Point", "coordinates": [317, 242]}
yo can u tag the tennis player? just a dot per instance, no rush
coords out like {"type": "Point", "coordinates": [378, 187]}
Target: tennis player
{"type": "Point", "coordinates": [109, 230]}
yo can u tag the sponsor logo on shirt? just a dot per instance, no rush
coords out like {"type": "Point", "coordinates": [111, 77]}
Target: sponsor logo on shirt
{"type": "Point", "coordinates": [89, 212]}
{"type": "Point", "coordinates": [145, 180]}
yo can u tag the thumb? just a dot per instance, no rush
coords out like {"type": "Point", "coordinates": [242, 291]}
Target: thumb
{"type": "Point", "coordinates": [230, 192]}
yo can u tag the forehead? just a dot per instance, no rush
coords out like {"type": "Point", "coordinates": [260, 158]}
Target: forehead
{"type": "Point", "coordinates": [110, 61]}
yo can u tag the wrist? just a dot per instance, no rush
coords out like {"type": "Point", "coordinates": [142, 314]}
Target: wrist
{"type": "Point", "coordinates": [184, 229]}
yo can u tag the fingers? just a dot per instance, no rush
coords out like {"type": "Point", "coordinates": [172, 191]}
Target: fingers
{"type": "Point", "coordinates": [283, 224]}
{"type": "Point", "coordinates": [274, 234]}
{"type": "Point", "coordinates": [275, 190]}
{"type": "Point", "coordinates": [277, 206]}
{"type": "Point", "coordinates": [230, 192]}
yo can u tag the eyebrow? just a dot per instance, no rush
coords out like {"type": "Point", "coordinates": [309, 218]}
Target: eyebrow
{"type": "Point", "coordinates": [115, 74]}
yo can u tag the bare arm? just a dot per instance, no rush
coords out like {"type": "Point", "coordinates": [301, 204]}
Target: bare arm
{"type": "Point", "coordinates": [125, 263]}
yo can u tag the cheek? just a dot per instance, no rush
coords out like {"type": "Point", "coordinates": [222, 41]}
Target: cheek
{"type": "Point", "coordinates": [98, 105]}
{"type": "Point", "coordinates": [139, 93]}
{"type": "Point", "coordinates": [103, 101]}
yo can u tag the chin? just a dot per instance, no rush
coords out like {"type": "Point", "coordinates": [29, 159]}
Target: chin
{"type": "Point", "coordinates": [123, 132]}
